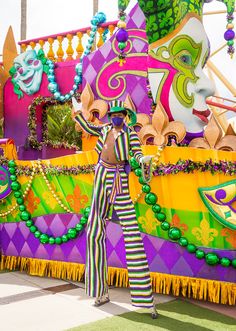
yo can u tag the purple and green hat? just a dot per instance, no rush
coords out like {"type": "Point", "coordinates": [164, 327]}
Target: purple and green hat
{"type": "Point", "coordinates": [118, 106]}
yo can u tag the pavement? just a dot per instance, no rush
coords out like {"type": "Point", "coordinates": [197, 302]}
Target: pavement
{"type": "Point", "coordinates": [33, 303]}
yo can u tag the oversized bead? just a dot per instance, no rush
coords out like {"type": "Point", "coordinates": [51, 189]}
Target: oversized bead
{"type": "Point", "coordinates": [20, 201]}
{"type": "Point", "coordinates": [83, 220]}
{"type": "Point", "coordinates": [134, 164]}
{"type": "Point", "coordinates": [12, 170]}
{"type": "Point", "coordinates": [25, 215]}
{"type": "Point", "coordinates": [165, 226]}
{"type": "Point", "coordinates": [156, 208]}
{"type": "Point", "coordinates": [33, 228]}
{"type": "Point", "coordinates": [160, 216]}
{"type": "Point", "coordinates": [79, 227]}
{"type": "Point", "coordinates": [29, 223]}
{"type": "Point", "coordinates": [138, 172]}
{"type": "Point", "coordinates": [37, 234]}
{"type": "Point", "coordinates": [122, 35]}
{"type": "Point", "coordinates": [122, 45]}
{"type": "Point", "coordinates": [145, 188]}
{"type": "Point", "coordinates": [72, 233]}
{"type": "Point", "coordinates": [212, 258]}
{"type": "Point", "coordinates": [13, 178]}
{"type": "Point", "coordinates": [229, 34]}
{"type": "Point", "coordinates": [225, 262]}
{"type": "Point", "coordinates": [64, 238]}
{"type": "Point", "coordinates": [121, 24]}
{"type": "Point", "coordinates": [22, 208]}
{"type": "Point", "coordinates": [233, 263]}
{"type": "Point", "coordinates": [183, 241]}
{"type": "Point", "coordinates": [199, 254]}
{"type": "Point", "coordinates": [229, 26]}
{"type": "Point", "coordinates": [58, 240]}
{"type": "Point", "coordinates": [11, 164]}
{"type": "Point", "coordinates": [15, 186]}
{"type": "Point", "coordinates": [174, 233]}
{"type": "Point", "coordinates": [191, 248]}
{"type": "Point", "coordinates": [44, 238]}
{"type": "Point", "coordinates": [150, 198]}
{"type": "Point", "coordinates": [51, 240]}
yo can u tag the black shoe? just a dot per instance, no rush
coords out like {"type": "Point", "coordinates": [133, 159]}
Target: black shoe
{"type": "Point", "coordinates": [154, 313]}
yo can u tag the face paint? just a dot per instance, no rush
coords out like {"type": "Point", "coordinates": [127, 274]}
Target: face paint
{"type": "Point", "coordinates": [176, 75]}
{"type": "Point", "coordinates": [28, 72]}
{"type": "Point", "coordinates": [117, 121]}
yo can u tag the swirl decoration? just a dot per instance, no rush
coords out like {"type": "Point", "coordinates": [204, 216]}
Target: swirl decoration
{"type": "Point", "coordinates": [115, 76]}
{"type": "Point", "coordinates": [5, 182]}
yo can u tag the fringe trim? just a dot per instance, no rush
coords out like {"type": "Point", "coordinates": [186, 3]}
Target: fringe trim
{"type": "Point", "coordinates": [196, 288]}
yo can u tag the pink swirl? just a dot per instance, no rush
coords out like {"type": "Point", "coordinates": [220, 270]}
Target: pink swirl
{"type": "Point", "coordinates": [111, 81]}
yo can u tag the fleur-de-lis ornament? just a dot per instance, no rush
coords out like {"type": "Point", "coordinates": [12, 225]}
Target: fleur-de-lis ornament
{"type": "Point", "coordinates": [160, 129]}
{"type": "Point", "coordinates": [214, 139]}
{"type": "Point", "coordinates": [204, 233]}
{"type": "Point", "coordinates": [93, 110]}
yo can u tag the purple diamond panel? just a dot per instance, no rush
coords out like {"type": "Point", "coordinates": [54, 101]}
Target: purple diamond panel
{"type": "Point", "coordinates": [163, 256]}
{"type": "Point", "coordinates": [136, 86]}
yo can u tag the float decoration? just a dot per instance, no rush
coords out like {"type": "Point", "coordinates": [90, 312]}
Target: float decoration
{"type": "Point", "coordinates": [213, 138]}
{"type": "Point", "coordinates": [174, 233]}
{"type": "Point", "coordinates": [98, 19]}
{"type": "Point", "coordinates": [25, 216]}
{"type": "Point", "coordinates": [27, 72]}
{"type": "Point", "coordinates": [32, 139]}
{"type": "Point", "coordinates": [220, 201]}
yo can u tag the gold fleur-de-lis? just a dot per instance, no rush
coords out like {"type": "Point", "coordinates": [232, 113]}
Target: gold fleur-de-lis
{"type": "Point", "coordinates": [160, 128]}
{"type": "Point", "coordinates": [213, 137]}
{"type": "Point", "coordinates": [204, 233]}
{"type": "Point", "coordinates": [230, 236]}
{"type": "Point", "coordinates": [93, 110]}
{"type": "Point", "coordinates": [148, 222]}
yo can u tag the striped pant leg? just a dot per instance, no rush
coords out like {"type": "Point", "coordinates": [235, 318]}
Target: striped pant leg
{"type": "Point", "coordinates": [96, 261]}
{"type": "Point", "coordinates": [137, 265]}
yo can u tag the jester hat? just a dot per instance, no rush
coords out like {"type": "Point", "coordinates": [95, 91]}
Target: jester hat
{"type": "Point", "coordinates": [163, 16]}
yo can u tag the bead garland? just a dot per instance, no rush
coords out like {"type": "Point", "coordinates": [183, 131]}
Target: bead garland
{"type": "Point", "coordinates": [122, 37]}
{"type": "Point", "coordinates": [13, 179]}
{"type": "Point", "coordinates": [26, 216]}
{"type": "Point", "coordinates": [98, 19]}
{"type": "Point", "coordinates": [230, 34]}
{"type": "Point", "coordinates": [61, 204]}
{"type": "Point", "coordinates": [174, 233]}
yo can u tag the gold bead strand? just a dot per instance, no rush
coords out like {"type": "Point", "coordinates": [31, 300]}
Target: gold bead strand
{"type": "Point", "coordinates": [61, 204]}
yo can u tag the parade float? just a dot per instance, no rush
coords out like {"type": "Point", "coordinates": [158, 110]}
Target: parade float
{"type": "Point", "coordinates": [153, 59]}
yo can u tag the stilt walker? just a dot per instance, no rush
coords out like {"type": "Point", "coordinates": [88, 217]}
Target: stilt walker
{"type": "Point", "coordinates": [111, 190]}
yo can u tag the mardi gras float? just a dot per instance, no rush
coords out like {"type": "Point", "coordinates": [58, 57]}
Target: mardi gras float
{"type": "Point", "coordinates": [153, 60]}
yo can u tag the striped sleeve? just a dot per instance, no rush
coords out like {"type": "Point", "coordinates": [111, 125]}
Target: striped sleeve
{"type": "Point", "coordinates": [135, 146]}
{"type": "Point", "coordinates": [94, 130]}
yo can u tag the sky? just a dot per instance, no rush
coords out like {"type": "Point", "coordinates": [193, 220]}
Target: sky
{"type": "Point", "coordinates": [45, 17]}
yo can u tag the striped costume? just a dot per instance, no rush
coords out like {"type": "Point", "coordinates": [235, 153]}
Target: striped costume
{"type": "Point", "coordinates": [111, 190]}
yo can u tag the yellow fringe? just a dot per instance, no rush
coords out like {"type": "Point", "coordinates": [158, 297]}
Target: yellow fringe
{"type": "Point", "coordinates": [196, 288]}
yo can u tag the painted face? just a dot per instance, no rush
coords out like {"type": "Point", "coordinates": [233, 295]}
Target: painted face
{"type": "Point", "coordinates": [28, 73]}
{"type": "Point", "coordinates": [176, 75]}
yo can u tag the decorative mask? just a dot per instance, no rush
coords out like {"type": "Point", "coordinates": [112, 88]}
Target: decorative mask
{"type": "Point", "coordinates": [27, 73]}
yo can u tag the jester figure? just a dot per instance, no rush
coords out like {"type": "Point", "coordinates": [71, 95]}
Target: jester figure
{"type": "Point", "coordinates": [116, 141]}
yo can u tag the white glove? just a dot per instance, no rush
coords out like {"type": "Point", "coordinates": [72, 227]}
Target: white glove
{"type": "Point", "coordinates": [77, 106]}
{"type": "Point", "coordinates": [146, 159]}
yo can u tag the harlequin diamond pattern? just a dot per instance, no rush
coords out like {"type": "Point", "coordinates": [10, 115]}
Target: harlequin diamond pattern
{"type": "Point", "coordinates": [136, 86]}
{"type": "Point", "coordinates": [163, 256]}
